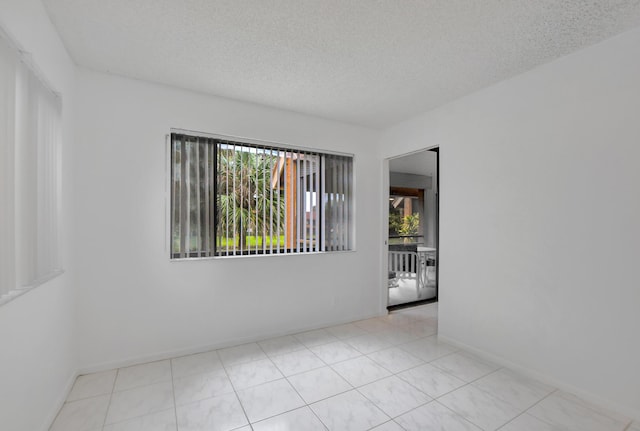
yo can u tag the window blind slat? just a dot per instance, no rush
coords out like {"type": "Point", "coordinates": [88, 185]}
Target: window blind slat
{"type": "Point", "coordinates": [271, 201]}
{"type": "Point", "coordinates": [232, 200]}
{"type": "Point", "coordinates": [334, 205]}
{"type": "Point", "coordinates": [326, 210]}
{"type": "Point", "coordinates": [254, 201]}
{"type": "Point", "coordinates": [198, 209]}
{"type": "Point", "coordinates": [311, 213]}
{"type": "Point", "coordinates": [184, 199]}
{"type": "Point", "coordinates": [216, 178]}
{"type": "Point", "coordinates": [308, 198]}
{"type": "Point", "coordinates": [264, 183]}
{"type": "Point", "coordinates": [229, 177]}
{"type": "Point", "coordinates": [207, 187]}
{"type": "Point", "coordinates": [316, 211]}
{"type": "Point", "coordinates": [279, 249]}
{"type": "Point", "coordinates": [339, 206]}
{"type": "Point", "coordinates": [348, 204]}
{"type": "Point", "coordinates": [297, 202]}
{"type": "Point", "coordinates": [345, 224]}
{"type": "Point", "coordinates": [329, 211]}
{"type": "Point", "coordinates": [302, 212]}
{"type": "Point", "coordinates": [291, 201]}
{"type": "Point", "coordinates": [324, 204]}
{"type": "Point", "coordinates": [287, 236]}
{"type": "Point", "coordinates": [176, 187]}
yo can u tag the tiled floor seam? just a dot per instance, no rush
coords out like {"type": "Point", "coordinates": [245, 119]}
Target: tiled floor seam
{"type": "Point", "coordinates": [306, 404]}
{"type": "Point", "coordinates": [235, 392]}
{"type": "Point", "coordinates": [513, 419]}
{"type": "Point", "coordinates": [458, 414]}
{"type": "Point", "coordinates": [503, 399]}
{"type": "Point", "coordinates": [431, 399]}
{"type": "Point", "coordinates": [113, 387]}
{"type": "Point", "coordinates": [539, 401]}
{"type": "Point", "coordinates": [173, 389]}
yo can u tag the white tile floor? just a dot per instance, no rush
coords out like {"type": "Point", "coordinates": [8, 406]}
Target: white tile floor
{"type": "Point", "coordinates": [385, 374]}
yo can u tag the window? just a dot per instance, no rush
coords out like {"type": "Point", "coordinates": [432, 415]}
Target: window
{"type": "Point", "coordinates": [29, 168]}
{"type": "Point", "coordinates": [406, 226]}
{"type": "Point", "coordinates": [236, 198]}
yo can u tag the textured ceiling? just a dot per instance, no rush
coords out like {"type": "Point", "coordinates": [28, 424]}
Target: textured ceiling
{"type": "Point", "coordinates": [368, 62]}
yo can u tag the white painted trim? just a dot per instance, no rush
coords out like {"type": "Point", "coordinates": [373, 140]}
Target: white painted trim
{"type": "Point", "coordinates": [384, 229]}
{"type": "Point", "coordinates": [168, 354]}
{"type": "Point", "coordinates": [411, 153]}
{"type": "Point", "coordinates": [167, 195]}
{"type": "Point", "coordinates": [55, 408]}
{"type": "Point", "coordinates": [631, 414]}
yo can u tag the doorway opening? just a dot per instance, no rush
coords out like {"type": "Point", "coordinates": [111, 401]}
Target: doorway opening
{"type": "Point", "coordinates": [413, 229]}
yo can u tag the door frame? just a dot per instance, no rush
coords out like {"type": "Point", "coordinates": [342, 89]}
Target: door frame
{"type": "Point", "coordinates": [384, 208]}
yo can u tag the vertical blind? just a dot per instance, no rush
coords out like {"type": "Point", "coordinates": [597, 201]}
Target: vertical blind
{"type": "Point", "coordinates": [29, 205]}
{"type": "Point", "coordinates": [232, 198]}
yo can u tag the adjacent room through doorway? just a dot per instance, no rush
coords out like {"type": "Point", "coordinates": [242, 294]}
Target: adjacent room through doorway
{"type": "Point", "coordinates": [413, 229]}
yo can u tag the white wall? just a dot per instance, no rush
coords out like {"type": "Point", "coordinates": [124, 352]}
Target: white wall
{"type": "Point", "coordinates": [134, 303]}
{"type": "Point", "coordinates": [540, 212]}
{"type": "Point", "coordinates": [37, 344]}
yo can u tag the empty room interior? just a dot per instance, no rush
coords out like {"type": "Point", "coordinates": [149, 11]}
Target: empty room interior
{"type": "Point", "coordinates": [207, 207]}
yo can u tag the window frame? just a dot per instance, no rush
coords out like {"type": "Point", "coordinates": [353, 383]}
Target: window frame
{"type": "Point", "coordinates": [260, 144]}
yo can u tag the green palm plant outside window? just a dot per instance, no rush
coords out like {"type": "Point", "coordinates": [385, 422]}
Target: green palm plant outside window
{"type": "Point", "coordinates": [248, 207]}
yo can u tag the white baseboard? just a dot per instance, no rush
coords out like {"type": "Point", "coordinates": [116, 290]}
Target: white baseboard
{"type": "Point", "coordinates": [49, 418]}
{"type": "Point", "coordinates": [631, 413]}
{"type": "Point", "coordinates": [158, 356]}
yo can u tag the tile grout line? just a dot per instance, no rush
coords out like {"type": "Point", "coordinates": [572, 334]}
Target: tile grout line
{"type": "Point", "coordinates": [538, 402]}
{"type": "Point", "coordinates": [134, 388]}
{"type": "Point", "coordinates": [395, 374]}
{"type": "Point", "coordinates": [436, 399]}
{"type": "Point", "coordinates": [173, 391]}
{"type": "Point", "coordinates": [525, 410]}
{"type": "Point", "coordinates": [113, 387]}
{"type": "Point", "coordinates": [235, 392]}
{"type": "Point", "coordinates": [431, 399]}
{"type": "Point", "coordinates": [458, 414]}
{"type": "Point", "coordinates": [290, 384]}
{"type": "Point", "coordinates": [306, 404]}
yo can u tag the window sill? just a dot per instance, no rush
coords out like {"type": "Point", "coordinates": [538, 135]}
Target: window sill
{"type": "Point", "coordinates": [245, 256]}
{"type": "Point", "coordinates": [16, 293]}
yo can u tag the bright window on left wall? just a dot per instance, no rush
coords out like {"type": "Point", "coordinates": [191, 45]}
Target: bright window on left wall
{"type": "Point", "coordinates": [30, 131]}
